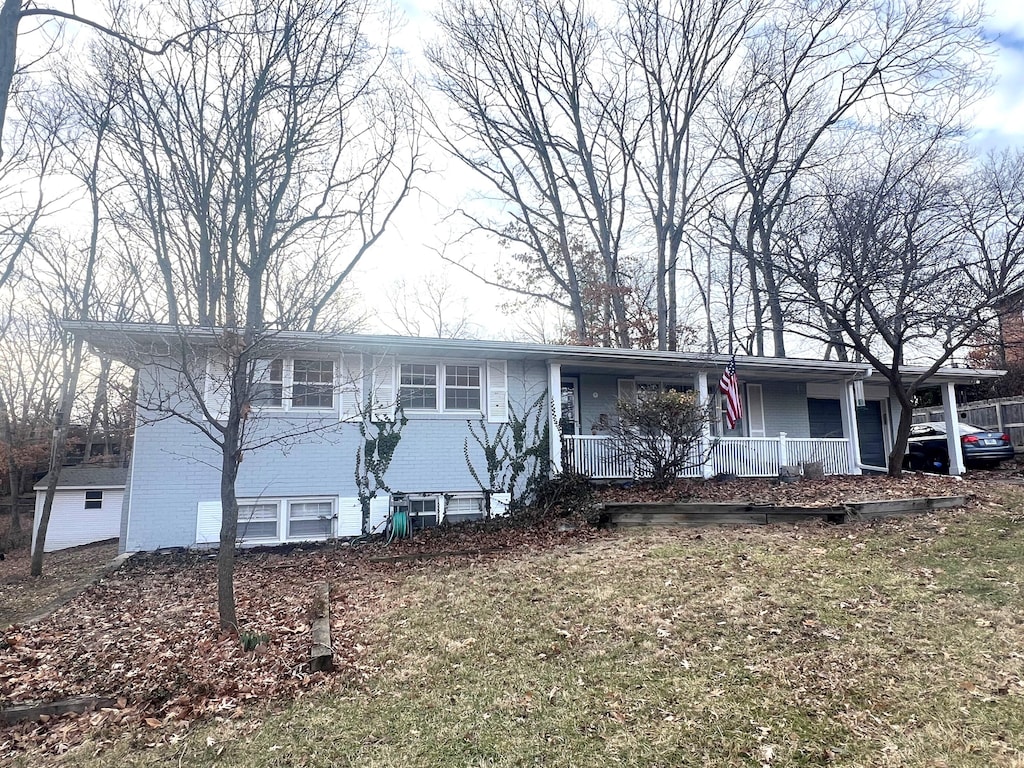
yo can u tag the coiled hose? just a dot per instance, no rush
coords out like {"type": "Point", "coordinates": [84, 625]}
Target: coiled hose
{"type": "Point", "coordinates": [399, 528]}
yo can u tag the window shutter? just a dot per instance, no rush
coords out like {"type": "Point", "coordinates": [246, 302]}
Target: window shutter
{"type": "Point", "coordinates": [384, 393]}
{"type": "Point", "coordinates": [755, 410]}
{"type": "Point", "coordinates": [497, 391]}
{"type": "Point", "coordinates": [380, 511]}
{"type": "Point", "coordinates": [500, 503]}
{"type": "Point", "coordinates": [351, 388]}
{"type": "Point", "coordinates": [217, 387]}
{"type": "Point", "coordinates": [350, 517]}
{"type": "Point", "coordinates": [627, 390]}
{"type": "Point", "coordinates": [208, 520]}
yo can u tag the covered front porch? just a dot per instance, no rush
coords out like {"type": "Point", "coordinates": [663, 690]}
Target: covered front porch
{"type": "Point", "coordinates": [838, 414]}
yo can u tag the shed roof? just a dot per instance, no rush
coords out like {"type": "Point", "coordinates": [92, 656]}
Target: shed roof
{"type": "Point", "coordinates": [87, 476]}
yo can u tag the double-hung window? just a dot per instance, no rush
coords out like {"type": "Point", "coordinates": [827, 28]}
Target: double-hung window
{"type": "Point", "coordinates": [462, 387]}
{"type": "Point", "coordinates": [258, 521]}
{"type": "Point", "coordinates": [312, 384]}
{"type": "Point", "coordinates": [417, 388]}
{"type": "Point", "coordinates": [441, 387]}
{"type": "Point", "coordinates": [292, 383]}
{"type": "Point", "coordinates": [461, 508]}
{"type": "Point", "coordinates": [310, 519]}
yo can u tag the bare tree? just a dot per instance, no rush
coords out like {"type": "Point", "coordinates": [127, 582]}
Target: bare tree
{"type": "Point", "coordinates": [815, 74]}
{"type": "Point", "coordinates": [429, 306]}
{"type": "Point", "coordinates": [883, 266]}
{"type": "Point", "coordinates": [991, 210]}
{"type": "Point", "coordinates": [260, 165]}
{"type": "Point", "coordinates": [536, 106]}
{"type": "Point", "coordinates": [679, 50]}
{"type": "Point", "coordinates": [29, 393]}
{"type": "Point", "coordinates": [13, 12]}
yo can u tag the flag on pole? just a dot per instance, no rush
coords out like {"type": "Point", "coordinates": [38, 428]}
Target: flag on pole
{"type": "Point", "coordinates": [730, 387]}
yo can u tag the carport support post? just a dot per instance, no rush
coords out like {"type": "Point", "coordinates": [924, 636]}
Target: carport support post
{"type": "Point", "coordinates": [952, 419]}
{"type": "Point", "coordinates": [555, 416]}
{"type": "Point", "coordinates": [700, 385]}
{"type": "Point", "coordinates": [848, 409]}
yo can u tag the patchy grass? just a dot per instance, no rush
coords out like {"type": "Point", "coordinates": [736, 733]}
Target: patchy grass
{"type": "Point", "coordinates": [889, 644]}
{"type": "Point", "coordinates": [21, 595]}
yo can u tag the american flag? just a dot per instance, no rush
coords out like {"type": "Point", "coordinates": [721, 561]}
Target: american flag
{"type": "Point", "coordinates": [730, 387]}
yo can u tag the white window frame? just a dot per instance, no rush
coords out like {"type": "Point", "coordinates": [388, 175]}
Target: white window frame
{"type": "Point", "coordinates": [94, 500]}
{"type": "Point", "coordinates": [440, 385]}
{"type": "Point", "coordinates": [287, 516]}
{"type": "Point", "coordinates": [287, 384]}
{"type": "Point", "coordinates": [283, 505]}
{"type": "Point", "coordinates": [242, 518]}
{"type": "Point", "coordinates": [478, 498]}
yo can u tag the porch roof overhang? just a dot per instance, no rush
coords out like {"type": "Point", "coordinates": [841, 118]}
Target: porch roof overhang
{"type": "Point", "coordinates": [130, 341]}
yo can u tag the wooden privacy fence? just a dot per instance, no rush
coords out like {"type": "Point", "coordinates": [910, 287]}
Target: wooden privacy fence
{"type": "Point", "coordinates": [599, 457]}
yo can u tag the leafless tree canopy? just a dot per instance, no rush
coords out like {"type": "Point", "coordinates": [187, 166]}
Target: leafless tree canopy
{"type": "Point", "coordinates": [679, 142]}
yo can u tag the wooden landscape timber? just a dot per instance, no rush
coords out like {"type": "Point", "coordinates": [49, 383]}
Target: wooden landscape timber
{"type": "Point", "coordinates": [321, 655]}
{"type": "Point", "coordinates": [78, 704]}
{"type": "Point", "coordinates": [628, 515]}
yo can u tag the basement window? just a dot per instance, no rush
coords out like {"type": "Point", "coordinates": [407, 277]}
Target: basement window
{"type": "Point", "coordinates": [462, 508]}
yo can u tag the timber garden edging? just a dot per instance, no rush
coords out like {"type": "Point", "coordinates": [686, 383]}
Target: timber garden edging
{"type": "Point", "coordinates": [637, 514]}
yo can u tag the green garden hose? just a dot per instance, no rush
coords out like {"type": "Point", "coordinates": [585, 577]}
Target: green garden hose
{"type": "Point", "coordinates": [399, 526]}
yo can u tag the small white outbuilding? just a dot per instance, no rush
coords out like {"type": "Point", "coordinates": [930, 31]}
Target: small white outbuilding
{"type": "Point", "coordinates": [86, 508]}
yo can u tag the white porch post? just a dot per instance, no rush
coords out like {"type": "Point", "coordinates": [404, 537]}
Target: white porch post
{"type": "Point", "coordinates": [952, 419]}
{"type": "Point", "coordinates": [848, 409]}
{"type": "Point", "coordinates": [555, 416]}
{"type": "Point", "coordinates": [783, 450]}
{"type": "Point", "coordinates": [700, 385]}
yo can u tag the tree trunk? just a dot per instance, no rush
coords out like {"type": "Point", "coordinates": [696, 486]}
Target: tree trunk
{"type": "Point", "coordinates": [10, 15]}
{"type": "Point", "coordinates": [60, 452]}
{"type": "Point", "coordinates": [14, 534]}
{"type": "Point", "coordinates": [98, 405]}
{"type": "Point", "coordinates": [899, 447]}
{"type": "Point", "coordinates": [230, 456]}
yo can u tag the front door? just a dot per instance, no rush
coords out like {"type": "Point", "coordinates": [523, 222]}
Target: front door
{"type": "Point", "coordinates": [870, 434]}
{"type": "Point", "coordinates": [570, 406]}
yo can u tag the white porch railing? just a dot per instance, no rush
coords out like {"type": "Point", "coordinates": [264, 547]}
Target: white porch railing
{"type": "Point", "coordinates": [597, 456]}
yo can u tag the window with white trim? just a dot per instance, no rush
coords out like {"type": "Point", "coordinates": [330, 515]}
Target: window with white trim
{"type": "Point", "coordinates": [310, 519]}
{"type": "Point", "coordinates": [462, 387]}
{"type": "Point", "coordinates": [417, 386]}
{"type": "Point", "coordinates": [94, 499]}
{"type": "Point", "coordinates": [312, 384]}
{"type": "Point", "coordinates": [441, 387]}
{"type": "Point", "coordinates": [462, 508]}
{"type": "Point", "coordinates": [258, 521]}
{"type": "Point", "coordinates": [294, 384]}
{"type": "Point", "coordinates": [288, 519]}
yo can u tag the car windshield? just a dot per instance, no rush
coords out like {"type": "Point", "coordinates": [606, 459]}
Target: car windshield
{"type": "Point", "coordinates": [968, 429]}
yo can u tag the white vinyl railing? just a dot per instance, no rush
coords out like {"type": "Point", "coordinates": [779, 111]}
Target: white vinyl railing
{"type": "Point", "coordinates": [598, 456]}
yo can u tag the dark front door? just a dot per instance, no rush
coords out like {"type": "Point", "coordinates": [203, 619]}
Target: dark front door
{"type": "Point", "coordinates": [869, 427]}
